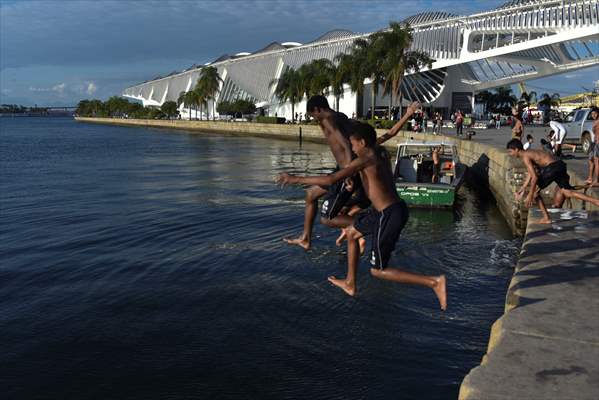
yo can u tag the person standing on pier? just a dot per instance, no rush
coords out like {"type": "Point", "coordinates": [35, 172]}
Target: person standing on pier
{"type": "Point", "coordinates": [550, 169]}
{"type": "Point", "coordinates": [385, 219]}
{"type": "Point", "coordinates": [594, 151]}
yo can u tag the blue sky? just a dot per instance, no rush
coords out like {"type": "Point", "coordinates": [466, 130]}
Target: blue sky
{"type": "Point", "coordinates": [59, 52]}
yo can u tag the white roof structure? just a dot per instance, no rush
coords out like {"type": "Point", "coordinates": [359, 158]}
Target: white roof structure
{"type": "Point", "coordinates": [520, 40]}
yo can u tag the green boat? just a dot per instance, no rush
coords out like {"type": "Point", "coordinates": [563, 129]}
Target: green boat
{"type": "Point", "coordinates": [421, 182]}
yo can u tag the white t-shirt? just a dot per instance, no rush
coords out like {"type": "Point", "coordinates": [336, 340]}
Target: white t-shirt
{"type": "Point", "coordinates": [559, 132]}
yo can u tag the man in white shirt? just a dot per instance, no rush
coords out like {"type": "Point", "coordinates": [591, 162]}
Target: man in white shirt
{"type": "Point", "coordinates": [528, 144]}
{"type": "Point", "coordinates": [558, 135]}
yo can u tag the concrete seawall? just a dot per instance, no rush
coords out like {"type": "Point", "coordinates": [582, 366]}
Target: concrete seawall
{"type": "Point", "coordinates": [490, 166]}
{"type": "Point", "coordinates": [546, 345]}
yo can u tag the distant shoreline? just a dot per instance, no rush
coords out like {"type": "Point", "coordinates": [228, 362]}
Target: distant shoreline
{"type": "Point", "coordinates": [51, 115]}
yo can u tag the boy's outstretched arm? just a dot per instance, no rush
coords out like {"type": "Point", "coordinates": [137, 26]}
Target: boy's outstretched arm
{"type": "Point", "coordinates": [324, 180]}
{"type": "Point", "coordinates": [532, 174]}
{"type": "Point", "coordinates": [396, 128]}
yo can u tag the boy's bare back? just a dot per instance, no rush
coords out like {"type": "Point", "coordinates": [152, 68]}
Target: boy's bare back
{"type": "Point", "coordinates": [338, 143]}
{"type": "Point", "coordinates": [539, 158]}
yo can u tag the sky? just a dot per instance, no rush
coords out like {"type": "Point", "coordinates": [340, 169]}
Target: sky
{"type": "Point", "coordinates": [55, 53]}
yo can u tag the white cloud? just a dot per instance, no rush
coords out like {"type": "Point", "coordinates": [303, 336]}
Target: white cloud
{"type": "Point", "coordinates": [91, 88]}
{"type": "Point", "coordinates": [59, 88]}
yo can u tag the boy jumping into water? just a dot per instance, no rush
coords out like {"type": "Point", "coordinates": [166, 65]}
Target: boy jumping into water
{"type": "Point", "coordinates": [550, 169]}
{"type": "Point", "coordinates": [385, 219]}
{"type": "Point", "coordinates": [335, 128]}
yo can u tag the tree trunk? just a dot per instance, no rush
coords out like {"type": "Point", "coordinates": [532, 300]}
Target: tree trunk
{"type": "Point", "coordinates": [190, 112]}
{"type": "Point", "coordinates": [372, 102]}
{"type": "Point", "coordinates": [292, 111]}
{"type": "Point", "coordinates": [400, 105]}
{"type": "Point", "coordinates": [390, 103]}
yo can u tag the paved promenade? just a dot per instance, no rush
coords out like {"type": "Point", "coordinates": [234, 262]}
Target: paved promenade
{"type": "Point", "coordinates": [546, 345]}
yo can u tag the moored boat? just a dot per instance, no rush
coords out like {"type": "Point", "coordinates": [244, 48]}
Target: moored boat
{"type": "Point", "coordinates": [428, 174]}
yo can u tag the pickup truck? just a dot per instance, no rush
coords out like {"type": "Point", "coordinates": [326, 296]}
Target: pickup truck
{"type": "Point", "coordinates": [579, 126]}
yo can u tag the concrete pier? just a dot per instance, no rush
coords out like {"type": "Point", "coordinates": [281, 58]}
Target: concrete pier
{"type": "Point", "coordinates": [546, 345]}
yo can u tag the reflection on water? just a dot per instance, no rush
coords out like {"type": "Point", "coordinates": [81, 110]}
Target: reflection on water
{"type": "Point", "coordinates": [142, 263]}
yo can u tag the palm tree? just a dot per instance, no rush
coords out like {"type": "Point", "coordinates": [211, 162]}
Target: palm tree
{"type": "Point", "coordinates": [209, 85]}
{"type": "Point", "coordinates": [368, 56]}
{"type": "Point", "coordinates": [317, 76]}
{"type": "Point", "coordinates": [199, 98]}
{"type": "Point", "coordinates": [339, 75]}
{"type": "Point", "coordinates": [485, 97]}
{"type": "Point", "coordinates": [188, 100]}
{"type": "Point", "coordinates": [503, 97]}
{"type": "Point", "coordinates": [399, 59]}
{"type": "Point", "coordinates": [289, 88]}
{"type": "Point", "coordinates": [348, 67]}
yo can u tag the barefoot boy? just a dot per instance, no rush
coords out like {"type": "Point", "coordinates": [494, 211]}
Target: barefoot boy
{"type": "Point", "coordinates": [335, 128]}
{"type": "Point", "coordinates": [550, 169]}
{"type": "Point", "coordinates": [384, 219]}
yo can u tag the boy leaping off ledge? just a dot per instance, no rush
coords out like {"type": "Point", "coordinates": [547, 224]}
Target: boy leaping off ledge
{"type": "Point", "coordinates": [385, 219]}
{"type": "Point", "coordinates": [335, 128]}
{"type": "Point", "coordinates": [550, 169]}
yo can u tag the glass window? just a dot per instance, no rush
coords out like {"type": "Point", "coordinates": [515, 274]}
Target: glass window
{"type": "Point", "coordinates": [579, 116]}
{"type": "Point", "coordinates": [589, 118]}
{"type": "Point", "coordinates": [570, 117]}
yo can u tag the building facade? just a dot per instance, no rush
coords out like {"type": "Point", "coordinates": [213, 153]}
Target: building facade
{"type": "Point", "coordinates": [518, 41]}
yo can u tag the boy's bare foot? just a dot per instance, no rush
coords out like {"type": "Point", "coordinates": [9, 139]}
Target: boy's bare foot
{"type": "Point", "coordinates": [588, 181]}
{"type": "Point", "coordinates": [343, 285]}
{"type": "Point", "coordinates": [341, 237]}
{"type": "Point", "coordinates": [544, 221]}
{"type": "Point", "coordinates": [441, 291]}
{"type": "Point", "coordinates": [303, 243]}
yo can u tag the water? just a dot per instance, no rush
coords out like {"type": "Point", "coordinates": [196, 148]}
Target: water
{"type": "Point", "coordinates": [148, 264]}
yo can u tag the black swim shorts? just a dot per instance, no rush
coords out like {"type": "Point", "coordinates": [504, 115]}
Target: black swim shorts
{"type": "Point", "coordinates": [338, 197]}
{"type": "Point", "coordinates": [554, 172]}
{"type": "Point", "coordinates": [385, 227]}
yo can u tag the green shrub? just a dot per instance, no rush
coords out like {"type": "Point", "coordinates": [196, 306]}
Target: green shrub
{"type": "Point", "coordinates": [266, 120]}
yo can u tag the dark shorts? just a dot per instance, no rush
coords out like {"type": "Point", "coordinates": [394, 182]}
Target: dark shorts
{"type": "Point", "coordinates": [385, 227]}
{"type": "Point", "coordinates": [554, 172]}
{"type": "Point", "coordinates": [594, 151]}
{"type": "Point", "coordinates": [338, 197]}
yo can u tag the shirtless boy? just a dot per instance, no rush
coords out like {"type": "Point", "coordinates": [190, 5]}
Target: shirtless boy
{"type": "Point", "coordinates": [335, 128]}
{"type": "Point", "coordinates": [550, 169]}
{"type": "Point", "coordinates": [385, 219]}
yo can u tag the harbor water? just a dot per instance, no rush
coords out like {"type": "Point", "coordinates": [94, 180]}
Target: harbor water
{"type": "Point", "coordinates": [142, 263]}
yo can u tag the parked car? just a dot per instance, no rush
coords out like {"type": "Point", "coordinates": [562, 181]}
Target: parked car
{"type": "Point", "coordinates": [579, 126]}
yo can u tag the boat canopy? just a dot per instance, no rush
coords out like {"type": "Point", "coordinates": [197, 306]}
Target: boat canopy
{"type": "Point", "coordinates": [425, 143]}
